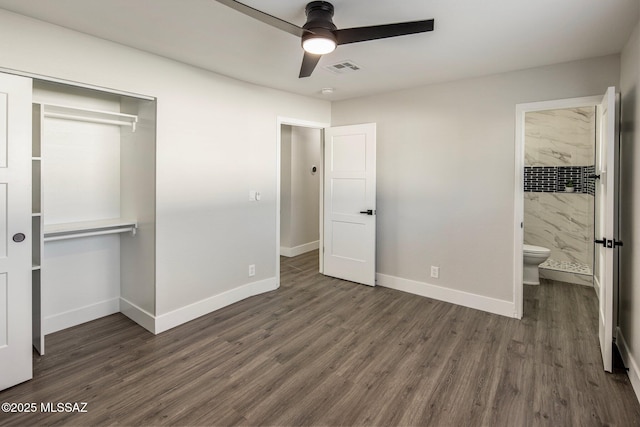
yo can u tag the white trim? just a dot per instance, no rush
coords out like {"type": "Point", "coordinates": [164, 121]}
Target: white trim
{"type": "Point", "coordinates": [596, 286]}
{"type": "Point", "coordinates": [300, 249]}
{"type": "Point", "coordinates": [76, 84]}
{"type": "Point", "coordinates": [67, 319]}
{"type": "Point", "coordinates": [518, 211]}
{"type": "Point", "coordinates": [189, 312]}
{"type": "Point", "coordinates": [518, 215]}
{"type": "Point", "coordinates": [453, 296]}
{"type": "Point", "coordinates": [138, 315]}
{"type": "Point", "coordinates": [302, 123]}
{"type": "Point", "coordinates": [629, 362]}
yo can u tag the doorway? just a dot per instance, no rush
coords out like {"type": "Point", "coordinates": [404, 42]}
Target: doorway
{"type": "Point", "coordinates": [299, 186]}
{"type": "Point", "coordinates": [576, 106]}
{"type": "Point", "coordinates": [300, 162]}
{"type": "Point", "coordinates": [604, 179]}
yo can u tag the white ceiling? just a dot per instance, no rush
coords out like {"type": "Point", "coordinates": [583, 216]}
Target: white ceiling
{"type": "Point", "coordinates": [471, 37]}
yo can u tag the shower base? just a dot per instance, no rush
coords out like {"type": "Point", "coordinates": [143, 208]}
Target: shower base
{"type": "Point", "coordinates": [563, 271]}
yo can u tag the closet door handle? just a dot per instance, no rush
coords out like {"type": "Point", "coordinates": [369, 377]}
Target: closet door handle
{"type": "Point", "coordinates": [603, 242]}
{"type": "Point", "coordinates": [19, 237]}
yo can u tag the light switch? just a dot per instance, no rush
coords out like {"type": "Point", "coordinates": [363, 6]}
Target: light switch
{"type": "Point", "coordinates": [252, 195]}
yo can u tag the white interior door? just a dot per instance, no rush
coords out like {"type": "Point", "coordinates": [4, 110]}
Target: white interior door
{"type": "Point", "coordinates": [606, 248]}
{"type": "Point", "coordinates": [15, 230]}
{"type": "Point", "coordinates": [350, 203]}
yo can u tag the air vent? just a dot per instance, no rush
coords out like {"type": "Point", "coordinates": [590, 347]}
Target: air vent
{"type": "Point", "coordinates": [343, 67]}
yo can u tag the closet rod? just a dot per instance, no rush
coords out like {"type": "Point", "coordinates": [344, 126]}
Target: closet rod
{"type": "Point", "coordinates": [91, 233]}
{"type": "Point", "coordinates": [90, 119]}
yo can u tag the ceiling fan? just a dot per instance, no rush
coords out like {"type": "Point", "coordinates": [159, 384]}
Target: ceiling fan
{"type": "Point", "coordinates": [320, 36]}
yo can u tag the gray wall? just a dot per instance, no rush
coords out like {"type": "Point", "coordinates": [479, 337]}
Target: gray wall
{"type": "Point", "coordinates": [446, 171]}
{"type": "Point", "coordinates": [629, 292]}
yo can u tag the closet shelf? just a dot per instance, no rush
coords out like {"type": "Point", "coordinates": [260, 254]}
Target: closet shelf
{"type": "Point", "coordinates": [67, 112]}
{"type": "Point", "coordinates": [73, 230]}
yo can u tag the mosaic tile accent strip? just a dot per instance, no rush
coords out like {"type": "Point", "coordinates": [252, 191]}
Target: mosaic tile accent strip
{"type": "Point", "coordinates": [589, 183]}
{"type": "Point", "coordinates": [554, 179]}
{"type": "Point", "coordinates": [541, 179]}
{"type": "Point", "coordinates": [571, 267]}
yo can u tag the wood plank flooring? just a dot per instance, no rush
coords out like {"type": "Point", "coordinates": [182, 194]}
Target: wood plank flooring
{"type": "Point", "coordinates": [321, 351]}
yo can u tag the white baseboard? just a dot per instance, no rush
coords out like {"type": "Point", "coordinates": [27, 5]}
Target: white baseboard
{"type": "Point", "coordinates": [138, 315]}
{"type": "Point", "coordinates": [74, 317]}
{"type": "Point", "coordinates": [629, 362]}
{"type": "Point", "coordinates": [184, 314]}
{"type": "Point", "coordinates": [479, 302]}
{"type": "Point", "coordinates": [299, 250]}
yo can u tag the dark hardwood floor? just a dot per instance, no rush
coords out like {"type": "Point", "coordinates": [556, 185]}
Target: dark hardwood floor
{"type": "Point", "coordinates": [320, 351]}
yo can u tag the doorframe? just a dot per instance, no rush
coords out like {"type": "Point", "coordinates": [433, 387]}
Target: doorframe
{"type": "Point", "coordinates": [518, 229]}
{"type": "Point", "coordinates": [307, 124]}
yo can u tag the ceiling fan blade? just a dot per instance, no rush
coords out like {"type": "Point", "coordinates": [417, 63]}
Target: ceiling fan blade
{"type": "Point", "coordinates": [361, 34]}
{"type": "Point", "coordinates": [264, 17]}
{"type": "Point", "coordinates": [309, 62]}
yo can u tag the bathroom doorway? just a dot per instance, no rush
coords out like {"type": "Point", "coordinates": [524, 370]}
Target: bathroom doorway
{"type": "Point", "coordinates": [600, 178]}
{"type": "Point", "coordinates": [555, 205]}
{"type": "Point", "coordinates": [559, 190]}
{"type": "Point", "coordinates": [605, 181]}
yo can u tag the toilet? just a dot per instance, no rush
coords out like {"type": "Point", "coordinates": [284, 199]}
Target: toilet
{"type": "Point", "coordinates": [533, 257]}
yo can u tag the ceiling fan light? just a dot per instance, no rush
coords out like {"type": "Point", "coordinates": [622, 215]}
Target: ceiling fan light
{"type": "Point", "coordinates": [318, 45]}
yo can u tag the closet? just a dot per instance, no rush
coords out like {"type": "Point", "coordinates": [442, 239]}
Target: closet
{"type": "Point", "coordinates": [93, 198]}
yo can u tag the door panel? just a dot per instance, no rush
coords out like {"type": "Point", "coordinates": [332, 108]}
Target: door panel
{"type": "Point", "coordinates": [3, 224]}
{"type": "Point", "coordinates": [349, 195]}
{"type": "Point", "coordinates": [15, 211]}
{"type": "Point", "coordinates": [607, 223]}
{"type": "Point", "coordinates": [350, 188]}
{"type": "Point", "coordinates": [4, 105]}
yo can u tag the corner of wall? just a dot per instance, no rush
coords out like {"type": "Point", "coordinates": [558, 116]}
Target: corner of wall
{"type": "Point", "coordinates": [629, 361]}
{"type": "Point", "coordinates": [453, 296]}
{"type": "Point", "coordinates": [190, 312]}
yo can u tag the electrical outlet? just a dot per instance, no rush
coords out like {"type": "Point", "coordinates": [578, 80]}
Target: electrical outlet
{"type": "Point", "coordinates": [252, 270]}
{"type": "Point", "coordinates": [435, 272]}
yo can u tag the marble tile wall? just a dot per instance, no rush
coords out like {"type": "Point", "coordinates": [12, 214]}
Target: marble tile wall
{"type": "Point", "coordinates": [563, 137]}
{"type": "Point", "coordinates": [563, 222]}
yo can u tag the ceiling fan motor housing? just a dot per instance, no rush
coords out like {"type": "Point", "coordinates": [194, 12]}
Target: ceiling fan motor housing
{"type": "Point", "coordinates": [319, 21]}
{"type": "Point", "coordinates": [319, 15]}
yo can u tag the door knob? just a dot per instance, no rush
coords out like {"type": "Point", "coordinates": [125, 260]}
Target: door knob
{"type": "Point", "coordinates": [367, 212]}
{"type": "Point", "coordinates": [19, 237]}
